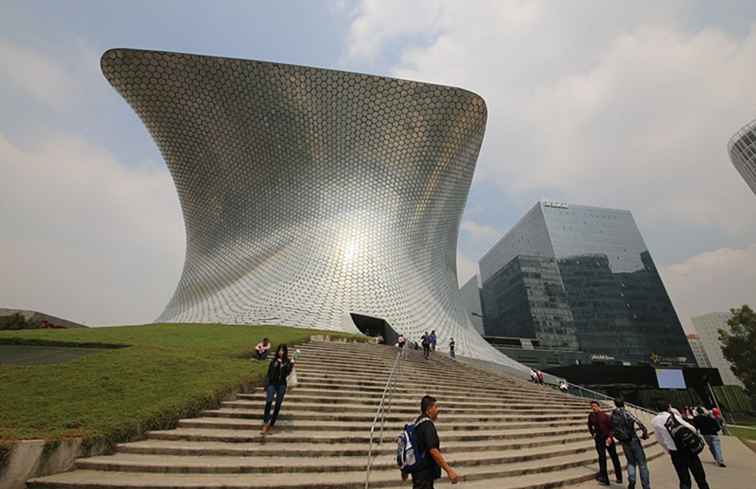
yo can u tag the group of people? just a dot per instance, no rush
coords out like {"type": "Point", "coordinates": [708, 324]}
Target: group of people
{"type": "Point", "coordinates": [536, 376]}
{"type": "Point", "coordinates": [428, 342]}
{"type": "Point", "coordinates": [677, 434]}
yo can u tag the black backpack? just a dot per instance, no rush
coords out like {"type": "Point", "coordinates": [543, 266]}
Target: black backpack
{"type": "Point", "coordinates": [623, 429]}
{"type": "Point", "coordinates": [685, 438]}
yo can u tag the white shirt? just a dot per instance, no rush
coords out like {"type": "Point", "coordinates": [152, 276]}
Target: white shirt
{"type": "Point", "coordinates": [663, 436]}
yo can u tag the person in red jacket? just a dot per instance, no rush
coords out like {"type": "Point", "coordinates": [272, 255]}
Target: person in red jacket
{"type": "Point", "coordinates": [600, 427]}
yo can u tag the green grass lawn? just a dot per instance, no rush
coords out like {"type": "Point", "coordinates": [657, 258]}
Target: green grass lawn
{"type": "Point", "coordinates": [168, 371]}
{"type": "Point", "coordinates": [743, 433]}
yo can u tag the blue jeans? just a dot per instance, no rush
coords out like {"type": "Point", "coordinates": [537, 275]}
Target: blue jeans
{"type": "Point", "coordinates": [636, 457]}
{"type": "Point", "coordinates": [280, 392]}
{"type": "Point", "coordinates": [715, 447]}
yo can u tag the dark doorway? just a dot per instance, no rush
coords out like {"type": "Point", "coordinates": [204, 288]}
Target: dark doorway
{"type": "Point", "coordinates": [371, 326]}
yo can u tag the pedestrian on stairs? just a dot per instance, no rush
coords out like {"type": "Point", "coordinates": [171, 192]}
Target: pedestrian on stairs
{"type": "Point", "coordinates": [433, 340]}
{"type": "Point", "coordinates": [429, 468]}
{"type": "Point", "coordinates": [624, 430]}
{"type": "Point", "coordinates": [425, 340]}
{"type": "Point", "coordinates": [278, 370]}
{"type": "Point", "coordinates": [401, 343]}
{"type": "Point", "coordinates": [452, 344]}
{"type": "Point", "coordinates": [600, 428]}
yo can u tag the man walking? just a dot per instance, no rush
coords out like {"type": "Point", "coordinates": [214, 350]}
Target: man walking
{"type": "Point", "coordinates": [684, 461]}
{"type": "Point", "coordinates": [452, 344]}
{"type": "Point", "coordinates": [709, 428]}
{"type": "Point", "coordinates": [624, 430]}
{"type": "Point", "coordinates": [600, 427]}
{"type": "Point", "coordinates": [432, 461]}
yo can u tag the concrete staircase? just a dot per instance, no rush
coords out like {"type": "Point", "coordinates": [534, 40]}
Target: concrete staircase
{"type": "Point", "coordinates": [495, 431]}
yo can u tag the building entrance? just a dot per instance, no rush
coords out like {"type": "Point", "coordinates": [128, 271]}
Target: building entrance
{"type": "Point", "coordinates": [372, 326]}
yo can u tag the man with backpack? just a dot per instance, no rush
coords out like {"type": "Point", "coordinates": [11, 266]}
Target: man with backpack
{"type": "Point", "coordinates": [680, 440]}
{"type": "Point", "coordinates": [419, 451]}
{"type": "Point", "coordinates": [624, 430]}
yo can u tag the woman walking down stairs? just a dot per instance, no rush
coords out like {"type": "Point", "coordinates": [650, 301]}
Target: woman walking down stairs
{"type": "Point", "coordinates": [496, 431]}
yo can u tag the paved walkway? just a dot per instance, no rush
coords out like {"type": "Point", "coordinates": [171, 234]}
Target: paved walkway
{"type": "Point", "coordinates": [740, 472]}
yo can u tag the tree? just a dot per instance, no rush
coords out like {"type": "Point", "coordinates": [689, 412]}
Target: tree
{"type": "Point", "coordinates": [739, 345]}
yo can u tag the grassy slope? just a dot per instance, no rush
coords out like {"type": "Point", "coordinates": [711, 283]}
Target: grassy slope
{"type": "Point", "coordinates": [743, 433]}
{"type": "Point", "coordinates": [168, 372]}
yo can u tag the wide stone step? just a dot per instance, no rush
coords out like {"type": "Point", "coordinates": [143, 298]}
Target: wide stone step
{"type": "Point", "coordinates": [380, 373]}
{"type": "Point", "coordinates": [440, 389]}
{"type": "Point", "coordinates": [272, 448]}
{"type": "Point", "coordinates": [178, 464]}
{"type": "Point", "coordinates": [289, 425]}
{"type": "Point", "coordinates": [300, 415]}
{"type": "Point", "coordinates": [442, 396]}
{"type": "Point", "coordinates": [406, 408]}
{"type": "Point", "coordinates": [330, 437]}
{"type": "Point", "coordinates": [297, 396]}
{"type": "Point", "coordinates": [307, 376]}
{"type": "Point", "coordinates": [509, 475]}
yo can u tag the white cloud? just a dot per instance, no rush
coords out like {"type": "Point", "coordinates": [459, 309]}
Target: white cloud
{"type": "Point", "coordinates": [480, 232]}
{"type": "Point", "coordinates": [607, 104]}
{"type": "Point", "coordinates": [84, 236]}
{"type": "Point", "coordinates": [466, 269]}
{"type": "Point", "coordinates": [38, 76]}
{"type": "Point", "coordinates": [713, 281]}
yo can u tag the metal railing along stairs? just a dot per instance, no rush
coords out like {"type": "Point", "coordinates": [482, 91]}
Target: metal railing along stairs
{"type": "Point", "coordinates": [384, 408]}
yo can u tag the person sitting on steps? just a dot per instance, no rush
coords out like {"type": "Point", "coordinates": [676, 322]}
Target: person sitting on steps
{"type": "Point", "coordinates": [262, 349]}
{"type": "Point", "coordinates": [278, 370]}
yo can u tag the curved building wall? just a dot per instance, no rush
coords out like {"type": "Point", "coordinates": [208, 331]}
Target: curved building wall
{"type": "Point", "coordinates": [742, 149]}
{"type": "Point", "coordinates": [310, 194]}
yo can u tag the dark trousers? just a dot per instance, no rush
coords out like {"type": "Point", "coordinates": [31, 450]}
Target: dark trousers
{"type": "Point", "coordinates": [422, 483]}
{"type": "Point", "coordinates": [687, 463]}
{"type": "Point", "coordinates": [279, 391]}
{"type": "Point", "coordinates": [601, 448]}
{"type": "Point", "coordinates": [426, 351]}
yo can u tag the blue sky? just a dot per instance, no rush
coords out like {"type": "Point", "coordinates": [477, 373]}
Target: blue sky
{"type": "Point", "coordinates": [597, 103]}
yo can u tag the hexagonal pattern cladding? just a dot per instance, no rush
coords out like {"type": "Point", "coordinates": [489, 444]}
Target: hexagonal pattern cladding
{"type": "Point", "coordinates": [309, 194]}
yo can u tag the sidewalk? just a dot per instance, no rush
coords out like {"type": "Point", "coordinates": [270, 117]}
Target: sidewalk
{"type": "Point", "coordinates": [740, 472]}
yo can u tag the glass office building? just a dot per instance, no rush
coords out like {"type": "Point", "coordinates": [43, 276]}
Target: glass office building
{"type": "Point", "coordinates": [581, 277]}
{"type": "Point", "coordinates": [708, 326]}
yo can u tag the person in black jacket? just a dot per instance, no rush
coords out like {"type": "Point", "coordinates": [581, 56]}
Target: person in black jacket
{"type": "Point", "coordinates": [709, 428]}
{"type": "Point", "coordinates": [279, 368]}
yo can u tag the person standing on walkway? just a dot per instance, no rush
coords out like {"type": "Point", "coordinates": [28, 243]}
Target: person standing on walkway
{"type": "Point", "coordinates": [684, 461]}
{"type": "Point", "coordinates": [278, 370]}
{"type": "Point", "coordinates": [430, 465]}
{"type": "Point", "coordinates": [426, 345]}
{"type": "Point", "coordinates": [624, 430]}
{"type": "Point", "coordinates": [709, 429]}
{"type": "Point", "coordinates": [600, 427]}
{"type": "Point", "coordinates": [452, 344]}
{"type": "Point", "coordinates": [433, 340]}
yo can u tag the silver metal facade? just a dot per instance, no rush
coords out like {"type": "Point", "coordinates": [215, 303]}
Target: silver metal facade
{"type": "Point", "coordinates": [310, 194]}
{"type": "Point", "coordinates": [742, 149]}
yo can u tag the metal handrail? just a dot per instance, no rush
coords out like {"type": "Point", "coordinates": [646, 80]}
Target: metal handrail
{"type": "Point", "coordinates": [386, 397]}
{"type": "Point", "coordinates": [601, 395]}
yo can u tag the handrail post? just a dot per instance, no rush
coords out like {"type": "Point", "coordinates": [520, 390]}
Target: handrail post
{"type": "Point", "coordinates": [388, 391]}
